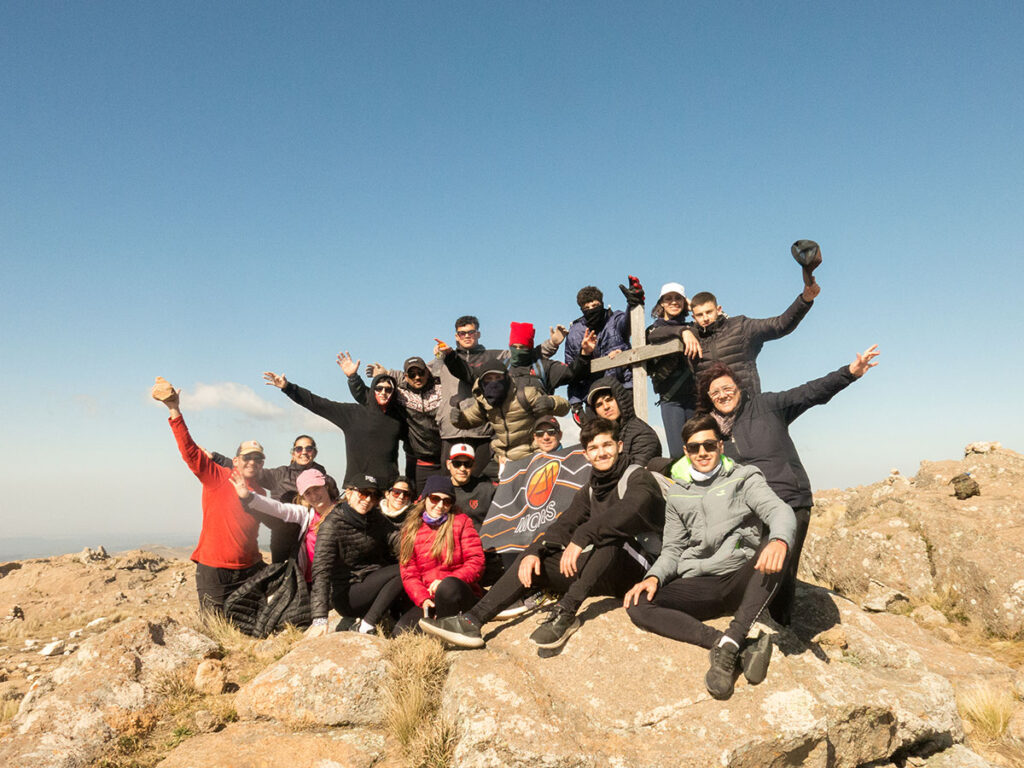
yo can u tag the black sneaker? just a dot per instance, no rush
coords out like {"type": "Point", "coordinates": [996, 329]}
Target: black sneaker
{"type": "Point", "coordinates": [754, 658]}
{"type": "Point", "coordinates": [555, 629]}
{"type": "Point", "coordinates": [721, 675]}
{"type": "Point", "coordinates": [457, 630]}
{"type": "Point", "coordinates": [347, 623]}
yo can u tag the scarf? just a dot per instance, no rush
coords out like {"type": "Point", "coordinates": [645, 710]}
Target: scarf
{"type": "Point", "coordinates": [603, 483]}
{"type": "Point", "coordinates": [595, 318]}
{"type": "Point", "coordinates": [433, 522]}
{"type": "Point", "coordinates": [702, 477]}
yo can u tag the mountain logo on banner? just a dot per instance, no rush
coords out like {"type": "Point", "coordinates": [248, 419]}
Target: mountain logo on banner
{"type": "Point", "coordinates": [542, 483]}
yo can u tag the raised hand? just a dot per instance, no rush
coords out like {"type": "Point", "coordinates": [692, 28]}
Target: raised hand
{"type": "Point", "coordinates": [589, 343]}
{"type": "Point", "coordinates": [346, 364]}
{"type": "Point", "coordinates": [165, 393]}
{"type": "Point", "coordinates": [558, 334]}
{"type": "Point", "coordinates": [375, 369]}
{"type": "Point", "coordinates": [239, 484]}
{"type": "Point", "coordinates": [863, 363]}
{"type": "Point", "coordinates": [275, 380]}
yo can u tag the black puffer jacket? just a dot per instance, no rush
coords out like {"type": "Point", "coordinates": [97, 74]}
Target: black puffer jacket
{"type": "Point", "coordinates": [372, 434]}
{"type": "Point", "coordinates": [640, 443]}
{"type": "Point", "coordinates": [737, 341]}
{"type": "Point", "coordinates": [275, 596]}
{"type": "Point", "coordinates": [348, 547]}
{"type": "Point", "coordinates": [760, 433]}
{"type": "Point", "coordinates": [671, 375]}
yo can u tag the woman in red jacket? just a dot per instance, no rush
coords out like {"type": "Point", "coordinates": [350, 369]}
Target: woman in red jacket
{"type": "Point", "coordinates": [440, 557]}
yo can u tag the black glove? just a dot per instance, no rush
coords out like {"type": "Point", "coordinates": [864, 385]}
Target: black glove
{"type": "Point", "coordinates": [634, 293]}
{"type": "Point", "coordinates": [369, 371]}
{"type": "Point", "coordinates": [806, 253]}
{"type": "Point", "coordinates": [455, 401]}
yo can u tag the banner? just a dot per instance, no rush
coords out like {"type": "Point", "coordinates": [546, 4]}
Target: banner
{"type": "Point", "coordinates": [532, 493]}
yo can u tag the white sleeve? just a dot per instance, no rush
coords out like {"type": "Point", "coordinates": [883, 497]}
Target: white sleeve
{"type": "Point", "coordinates": [290, 513]}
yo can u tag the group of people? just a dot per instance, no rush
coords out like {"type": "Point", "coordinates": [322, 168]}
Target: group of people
{"type": "Point", "coordinates": [712, 527]}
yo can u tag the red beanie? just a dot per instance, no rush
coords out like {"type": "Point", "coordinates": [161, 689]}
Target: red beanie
{"type": "Point", "coordinates": [521, 333]}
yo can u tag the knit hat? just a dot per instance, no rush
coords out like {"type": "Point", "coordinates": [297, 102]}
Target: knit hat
{"type": "Point", "coordinates": [521, 333]}
{"type": "Point", "coordinates": [310, 478]}
{"type": "Point", "coordinates": [438, 484]}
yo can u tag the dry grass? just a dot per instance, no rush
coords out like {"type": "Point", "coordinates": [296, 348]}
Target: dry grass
{"type": "Point", "coordinates": [8, 709]}
{"type": "Point", "coordinates": [988, 708]}
{"type": "Point", "coordinates": [411, 694]}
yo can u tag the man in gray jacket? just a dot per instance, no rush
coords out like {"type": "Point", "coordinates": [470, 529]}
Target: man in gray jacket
{"type": "Point", "coordinates": [714, 560]}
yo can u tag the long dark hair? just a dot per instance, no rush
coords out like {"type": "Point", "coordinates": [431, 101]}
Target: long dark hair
{"type": "Point", "coordinates": [716, 371]}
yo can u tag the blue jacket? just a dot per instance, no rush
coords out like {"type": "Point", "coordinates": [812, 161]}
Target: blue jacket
{"type": "Point", "coordinates": [614, 335]}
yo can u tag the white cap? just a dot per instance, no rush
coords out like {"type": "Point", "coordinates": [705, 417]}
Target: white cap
{"type": "Point", "coordinates": [672, 288]}
{"type": "Point", "coordinates": [462, 449]}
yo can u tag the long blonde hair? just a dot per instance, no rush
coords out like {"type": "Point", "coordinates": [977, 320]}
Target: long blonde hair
{"type": "Point", "coordinates": [443, 547]}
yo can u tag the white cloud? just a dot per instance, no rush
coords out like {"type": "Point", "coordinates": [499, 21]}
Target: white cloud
{"type": "Point", "coordinates": [229, 396]}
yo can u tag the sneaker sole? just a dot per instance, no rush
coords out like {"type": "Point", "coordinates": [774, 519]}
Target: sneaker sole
{"type": "Point", "coordinates": [511, 613]}
{"type": "Point", "coordinates": [560, 641]}
{"type": "Point", "coordinates": [757, 670]}
{"type": "Point", "coordinates": [453, 638]}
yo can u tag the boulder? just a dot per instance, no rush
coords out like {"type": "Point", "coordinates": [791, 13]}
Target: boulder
{"type": "Point", "coordinates": [616, 695]}
{"type": "Point", "coordinates": [965, 558]}
{"type": "Point", "coordinates": [68, 715]}
{"type": "Point", "coordinates": [331, 680]}
{"type": "Point", "coordinates": [258, 745]}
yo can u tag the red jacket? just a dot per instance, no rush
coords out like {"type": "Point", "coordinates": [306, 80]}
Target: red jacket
{"type": "Point", "coordinates": [228, 536]}
{"type": "Point", "coordinates": [422, 569]}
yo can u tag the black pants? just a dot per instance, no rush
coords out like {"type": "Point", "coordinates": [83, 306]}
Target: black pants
{"type": "Point", "coordinates": [680, 606]}
{"type": "Point", "coordinates": [213, 585]}
{"type": "Point", "coordinates": [369, 598]}
{"type": "Point", "coordinates": [418, 472]}
{"type": "Point", "coordinates": [484, 463]}
{"type": "Point", "coordinates": [781, 608]}
{"type": "Point", "coordinates": [452, 595]}
{"type": "Point", "coordinates": [606, 570]}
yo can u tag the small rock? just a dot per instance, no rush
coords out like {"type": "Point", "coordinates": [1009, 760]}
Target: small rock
{"type": "Point", "coordinates": [929, 616]}
{"type": "Point", "coordinates": [833, 637]}
{"type": "Point", "coordinates": [981, 447]}
{"type": "Point", "coordinates": [210, 677]}
{"type": "Point", "coordinates": [881, 598]}
{"type": "Point", "coordinates": [74, 633]}
{"type": "Point", "coordinates": [205, 721]}
{"type": "Point", "coordinates": [97, 622]}
{"type": "Point", "coordinates": [1015, 728]}
{"type": "Point", "coordinates": [30, 644]}
{"type": "Point", "coordinates": [16, 614]}
{"type": "Point", "coordinates": [965, 486]}
{"type": "Point", "coordinates": [52, 649]}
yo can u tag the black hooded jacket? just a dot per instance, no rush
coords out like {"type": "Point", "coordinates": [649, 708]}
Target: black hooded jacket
{"type": "Point", "coordinates": [640, 442]}
{"type": "Point", "coordinates": [372, 434]}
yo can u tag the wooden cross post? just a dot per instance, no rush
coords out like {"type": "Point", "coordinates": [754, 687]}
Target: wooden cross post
{"type": "Point", "coordinates": [636, 357]}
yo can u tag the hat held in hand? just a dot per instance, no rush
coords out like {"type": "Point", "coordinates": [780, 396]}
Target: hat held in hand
{"type": "Point", "coordinates": [807, 254]}
{"type": "Point", "coordinates": [162, 389]}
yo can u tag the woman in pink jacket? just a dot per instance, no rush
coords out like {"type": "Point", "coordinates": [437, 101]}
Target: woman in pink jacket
{"type": "Point", "coordinates": [440, 557]}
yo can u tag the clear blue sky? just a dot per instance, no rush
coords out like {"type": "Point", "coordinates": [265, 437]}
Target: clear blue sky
{"type": "Point", "coordinates": [205, 191]}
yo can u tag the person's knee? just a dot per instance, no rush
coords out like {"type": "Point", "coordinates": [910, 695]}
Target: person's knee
{"type": "Point", "coordinates": [449, 590]}
{"type": "Point", "coordinates": [638, 613]}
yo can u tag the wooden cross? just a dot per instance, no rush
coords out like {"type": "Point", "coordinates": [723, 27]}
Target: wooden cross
{"type": "Point", "coordinates": [636, 357]}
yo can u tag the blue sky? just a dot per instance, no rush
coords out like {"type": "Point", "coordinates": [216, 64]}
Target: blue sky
{"type": "Point", "coordinates": [207, 191]}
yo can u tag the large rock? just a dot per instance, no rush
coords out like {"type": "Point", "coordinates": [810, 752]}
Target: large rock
{"type": "Point", "coordinates": [330, 680]}
{"type": "Point", "coordinates": [967, 557]}
{"type": "Point", "coordinates": [619, 696]}
{"type": "Point", "coordinates": [69, 715]}
{"type": "Point", "coordinates": [260, 745]}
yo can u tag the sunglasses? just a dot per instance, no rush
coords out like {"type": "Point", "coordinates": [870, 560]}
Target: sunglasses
{"type": "Point", "coordinates": [461, 464]}
{"type": "Point", "coordinates": [367, 493]}
{"type": "Point", "coordinates": [303, 449]}
{"type": "Point", "coordinates": [400, 492]}
{"type": "Point", "coordinates": [253, 457]}
{"type": "Point", "coordinates": [708, 445]}
{"type": "Point", "coordinates": [436, 498]}
{"type": "Point", "coordinates": [415, 373]}
{"type": "Point", "coordinates": [384, 388]}
{"type": "Point", "coordinates": [718, 394]}
{"type": "Point", "coordinates": [466, 334]}
{"type": "Point", "coordinates": [545, 431]}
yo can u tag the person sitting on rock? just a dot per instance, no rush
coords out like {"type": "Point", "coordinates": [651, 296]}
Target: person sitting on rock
{"type": "Point", "coordinates": [713, 559]}
{"type": "Point", "coordinates": [580, 554]}
{"type": "Point", "coordinates": [396, 503]}
{"type": "Point", "coordinates": [227, 553]}
{"type": "Point", "coordinates": [440, 556]}
{"type": "Point", "coordinates": [354, 567]}
{"type": "Point", "coordinates": [608, 399]}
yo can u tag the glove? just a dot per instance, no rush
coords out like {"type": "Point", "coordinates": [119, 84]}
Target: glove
{"type": "Point", "coordinates": [634, 293]}
{"type": "Point", "coordinates": [577, 413]}
{"type": "Point", "coordinates": [455, 401]}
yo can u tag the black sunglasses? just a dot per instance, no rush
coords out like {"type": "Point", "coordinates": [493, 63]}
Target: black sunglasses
{"type": "Point", "coordinates": [461, 463]}
{"type": "Point", "coordinates": [708, 445]}
{"type": "Point", "coordinates": [303, 448]}
{"type": "Point", "coordinates": [546, 431]}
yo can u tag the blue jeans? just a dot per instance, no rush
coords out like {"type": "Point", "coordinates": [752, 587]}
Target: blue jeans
{"type": "Point", "coordinates": [673, 416]}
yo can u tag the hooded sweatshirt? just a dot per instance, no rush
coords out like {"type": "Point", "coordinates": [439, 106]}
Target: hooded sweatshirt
{"type": "Point", "coordinates": [640, 443]}
{"type": "Point", "coordinates": [372, 433]}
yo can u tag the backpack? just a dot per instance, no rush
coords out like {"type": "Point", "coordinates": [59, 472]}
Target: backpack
{"type": "Point", "coordinates": [648, 543]}
{"type": "Point", "coordinates": [536, 377]}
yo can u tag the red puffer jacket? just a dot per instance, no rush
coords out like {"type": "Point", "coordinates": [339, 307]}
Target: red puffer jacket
{"type": "Point", "coordinates": [422, 569]}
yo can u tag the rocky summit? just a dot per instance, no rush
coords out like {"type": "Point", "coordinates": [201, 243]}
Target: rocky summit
{"type": "Point", "coordinates": [905, 650]}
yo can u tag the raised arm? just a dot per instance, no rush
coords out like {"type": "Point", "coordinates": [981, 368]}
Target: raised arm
{"type": "Point", "coordinates": [766, 329]}
{"type": "Point", "coordinates": [338, 414]}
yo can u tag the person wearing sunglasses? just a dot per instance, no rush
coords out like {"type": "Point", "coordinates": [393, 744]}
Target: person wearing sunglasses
{"type": "Point", "coordinates": [756, 428]}
{"type": "Point", "coordinates": [440, 557]}
{"type": "Point", "coordinates": [547, 435]}
{"type": "Point", "coordinates": [396, 501]}
{"type": "Point", "coordinates": [472, 494]}
{"type": "Point", "coordinates": [227, 553]}
{"type": "Point", "coordinates": [583, 552]}
{"type": "Point", "coordinates": [354, 567]}
{"type": "Point", "coordinates": [714, 560]}
{"type": "Point", "coordinates": [372, 428]}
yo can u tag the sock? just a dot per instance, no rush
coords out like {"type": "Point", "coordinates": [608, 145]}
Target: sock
{"type": "Point", "coordinates": [365, 628]}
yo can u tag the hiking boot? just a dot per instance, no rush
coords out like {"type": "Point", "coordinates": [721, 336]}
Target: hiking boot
{"type": "Point", "coordinates": [457, 630]}
{"type": "Point", "coordinates": [754, 658]}
{"type": "Point", "coordinates": [555, 629]}
{"type": "Point", "coordinates": [721, 675]}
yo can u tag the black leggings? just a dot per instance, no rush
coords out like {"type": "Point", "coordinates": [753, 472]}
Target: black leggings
{"type": "Point", "coordinates": [781, 608]}
{"type": "Point", "coordinates": [679, 607]}
{"type": "Point", "coordinates": [606, 570]}
{"type": "Point", "coordinates": [371, 597]}
{"type": "Point", "coordinates": [452, 595]}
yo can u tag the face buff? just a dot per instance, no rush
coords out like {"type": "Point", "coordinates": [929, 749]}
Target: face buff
{"type": "Point", "coordinates": [594, 318]}
{"type": "Point", "coordinates": [494, 391]}
{"type": "Point", "coordinates": [520, 357]}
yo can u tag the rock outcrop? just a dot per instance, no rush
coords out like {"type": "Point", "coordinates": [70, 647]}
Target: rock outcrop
{"type": "Point", "coordinates": [965, 557]}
